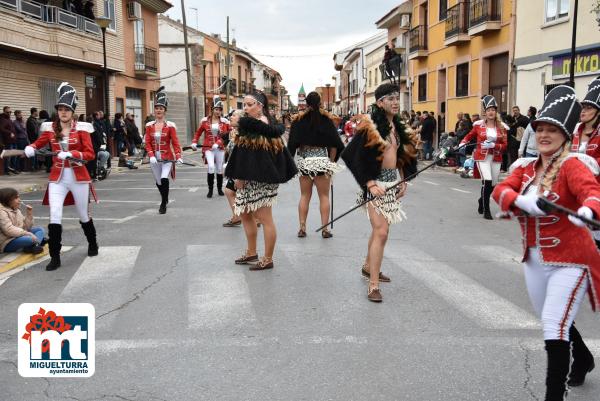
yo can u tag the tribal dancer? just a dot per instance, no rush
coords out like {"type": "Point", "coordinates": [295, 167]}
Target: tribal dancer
{"type": "Point", "coordinates": [216, 131]}
{"type": "Point", "coordinates": [258, 164]}
{"type": "Point", "coordinates": [161, 143]}
{"type": "Point", "coordinates": [586, 138]}
{"type": "Point", "coordinates": [375, 157]}
{"type": "Point", "coordinates": [491, 134]}
{"type": "Point", "coordinates": [560, 258]}
{"type": "Point", "coordinates": [69, 180]}
{"type": "Point", "coordinates": [319, 146]}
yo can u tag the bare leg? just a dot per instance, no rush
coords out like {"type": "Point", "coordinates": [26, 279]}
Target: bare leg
{"type": "Point", "coordinates": [251, 231]}
{"type": "Point", "coordinates": [322, 184]}
{"type": "Point", "coordinates": [379, 236]}
{"type": "Point", "coordinates": [305, 194]}
{"type": "Point", "coordinates": [265, 216]}
{"type": "Point", "coordinates": [230, 195]}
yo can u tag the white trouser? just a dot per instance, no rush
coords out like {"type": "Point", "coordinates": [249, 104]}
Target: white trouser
{"type": "Point", "coordinates": [556, 294]}
{"type": "Point", "coordinates": [161, 170]}
{"type": "Point", "coordinates": [57, 192]}
{"type": "Point", "coordinates": [489, 169]}
{"type": "Point", "coordinates": [215, 158]}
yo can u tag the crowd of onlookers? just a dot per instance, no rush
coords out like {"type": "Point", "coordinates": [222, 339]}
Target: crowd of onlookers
{"type": "Point", "coordinates": [121, 137]}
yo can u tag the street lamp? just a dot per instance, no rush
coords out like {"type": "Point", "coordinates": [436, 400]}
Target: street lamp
{"type": "Point", "coordinates": [103, 23]}
{"type": "Point", "coordinates": [328, 86]}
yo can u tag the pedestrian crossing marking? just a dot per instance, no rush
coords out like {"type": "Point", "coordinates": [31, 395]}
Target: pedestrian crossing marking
{"type": "Point", "coordinates": [509, 259]}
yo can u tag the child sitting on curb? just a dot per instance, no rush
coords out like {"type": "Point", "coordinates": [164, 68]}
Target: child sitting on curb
{"type": "Point", "coordinates": [16, 231]}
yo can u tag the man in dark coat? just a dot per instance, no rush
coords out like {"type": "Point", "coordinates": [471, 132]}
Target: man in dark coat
{"type": "Point", "coordinates": [9, 139]}
{"type": "Point", "coordinates": [427, 131]}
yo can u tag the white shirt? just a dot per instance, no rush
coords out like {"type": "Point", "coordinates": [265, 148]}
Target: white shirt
{"type": "Point", "coordinates": [583, 147]}
{"type": "Point", "coordinates": [491, 134]}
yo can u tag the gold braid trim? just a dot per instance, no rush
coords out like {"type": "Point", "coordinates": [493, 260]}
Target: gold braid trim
{"type": "Point", "coordinates": [274, 145]}
{"type": "Point", "coordinates": [365, 126]}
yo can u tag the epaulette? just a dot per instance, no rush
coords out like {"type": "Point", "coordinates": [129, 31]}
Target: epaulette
{"type": "Point", "coordinates": [522, 162]}
{"type": "Point", "coordinates": [46, 126]}
{"type": "Point", "coordinates": [478, 123]}
{"type": "Point", "coordinates": [224, 120]}
{"type": "Point", "coordinates": [150, 123]}
{"type": "Point", "coordinates": [589, 161]}
{"type": "Point", "coordinates": [171, 124]}
{"type": "Point", "coordinates": [85, 126]}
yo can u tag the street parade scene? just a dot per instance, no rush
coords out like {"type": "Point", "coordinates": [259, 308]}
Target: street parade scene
{"type": "Point", "coordinates": [395, 200]}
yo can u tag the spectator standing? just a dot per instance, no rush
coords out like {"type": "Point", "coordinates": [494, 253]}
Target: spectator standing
{"type": "Point", "coordinates": [459, 117]}
{"type": "Point", "coordinates": [520, 124]}
{"type": "Point", "coordinates": [427, 131]}
{"type": "Point", "coordinates": [22, 139]}
{"type": "Point", "coordinates": [9, 140]}
{"type": "Point", "coordinates": [119, 133]}
{"type": "Point", "coordinates": [44, 116]}
{"type": "Point", "coordinates": [33, 131]}
{"type": "Point", "coordinates": [133, 134]}
{"type": "Point", "coordinates": [475, 118]}
{"type": "Point", "coordinates": [528, 147]}
{"type": "Point", "coordinates": [88, 10]}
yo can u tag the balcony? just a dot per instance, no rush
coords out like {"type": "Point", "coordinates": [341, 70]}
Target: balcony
{"type": "Point", "coordinates": [394, 70]}
{"type": "Point", "coordinates": [145, 60]}
{"type": "Point", "coordinates": [232, 86]}
{"type": "Point", "coordinates": [484, 16]}
{"type": "Point", "coordinates": [457, 24]}
{"type": "Point", "coordinates": [417, 42]}
{"type": "Point", "coordinates": [244, 87]}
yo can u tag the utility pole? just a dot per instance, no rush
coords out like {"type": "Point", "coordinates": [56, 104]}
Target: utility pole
{"type": "Point", "coordinates": [189, 76]}
{"type": "Point", "coordinates": [574, 46]}
{"type": "Point", "coordinates": [228, 67]}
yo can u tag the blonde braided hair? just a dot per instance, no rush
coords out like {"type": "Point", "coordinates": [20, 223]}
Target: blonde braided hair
{"type": "Point", "coordinates": [550, 174]}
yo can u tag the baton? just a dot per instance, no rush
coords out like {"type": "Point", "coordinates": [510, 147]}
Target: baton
{"type": "Point", "coordinates": [332, 201]}
{"type": "Point", "coordinates": [175, 161]}
{"type": "Point", "coordinates": [410, 177]}
{"type": "Point", "coordinates": [548, 206]}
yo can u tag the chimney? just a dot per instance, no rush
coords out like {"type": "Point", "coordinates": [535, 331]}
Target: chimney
{"type": "Point", "coordinates": [234, 43]}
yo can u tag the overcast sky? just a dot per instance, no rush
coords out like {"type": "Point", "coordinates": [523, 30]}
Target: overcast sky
{"type": "Point", "coordinates": [295, 37]}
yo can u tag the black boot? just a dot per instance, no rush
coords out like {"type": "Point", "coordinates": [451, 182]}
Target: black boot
{"type": "Point", "coordinates": [480, 201]}
{"type": "Point", "coordinates": [220, 184]}
{"type": "Point", "coordinates": [54, 245]}
{"type": "Point", "coordinates": [90, 233]}
{"type": "Point", "coordinates": [559, 362]}
{"type": "Point", "coordinates": [211, 184]}
{"type": "Point", "coordinates": [164, 194]}
{"type": "Point", "coordinates": [583, 360]}
{"type": "Point", "coordinates": [487, 192]}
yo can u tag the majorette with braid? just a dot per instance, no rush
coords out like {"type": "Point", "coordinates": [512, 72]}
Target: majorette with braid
{"type": "Point", "coordinates": [258, 163]}
{"type": "Point", "coordinates": [69, 180]}
{"type": "Point", "coordinates": [586, 138]}
{"type": "Point", "coordinates": [319, 146]}
{"type": "Point", "coordinates": [162, 146]}
{"type": "Point", "coordinates": [378, 157]}
{"type": "Point", "coordinates": [216, 133]}
{"type": "Point", "coordinates": [491, 135]}
{"type": "Point", "coordinates": [560, 258]}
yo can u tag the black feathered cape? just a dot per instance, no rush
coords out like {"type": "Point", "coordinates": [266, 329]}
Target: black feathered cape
{"type": "Point", "coordinates": [259, 154]}
{"type": "Point", "coordinates": [364, 155]}
{"type": "Point", "coordinates": [324, 135]}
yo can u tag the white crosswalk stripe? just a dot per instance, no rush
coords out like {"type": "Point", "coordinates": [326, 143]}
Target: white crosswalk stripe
{"type": "Point", "coordinates": [509, 259]}
{"type": "Point", "coordinates": [102, 280]}
{"type": "Point", "coordinates": [485, 307]}
{"type": "Point", "coordinates": [217, 297]}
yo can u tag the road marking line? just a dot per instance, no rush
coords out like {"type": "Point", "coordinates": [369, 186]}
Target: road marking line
{"type": "Point", "coordinates": [101, 201]}
{"type": "Point", "coordinates": [107, 273]}
{"type": "Point", "coordinates": [77, 218]}
{"type": "Point", "coordinates": [508, 258]}
{"type": "Point", "coordinates": [7, 274]}
{"type": "Point", "coordinates": [125, 219]}
{"type": "Point", "coordinates": [217, 297]}
{"type": "Point", "coordinates": [140, 188]}
{"type": "Point", "coordinates": [485, 307]}
{"type": "Point", "coordinates": [432, 183]}
{"type": "Point", "coordinates": [461, 190]}
{"type": "Point", "coordinates": [194, 189]}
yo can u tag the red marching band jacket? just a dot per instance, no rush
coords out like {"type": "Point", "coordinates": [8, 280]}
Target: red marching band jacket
{"type": "Point", "coordinates": [209, 138]}
{"type": "Point", "coordinates": [479, 131]}
{"type": "Point", "coordinates": [560, 242]}
{"type": "Point", "coordinates": [593, 146]}
{"type": "Point", "coordinates": [167, 144]}
{"type": "Point", "coordinates": [80, 146]}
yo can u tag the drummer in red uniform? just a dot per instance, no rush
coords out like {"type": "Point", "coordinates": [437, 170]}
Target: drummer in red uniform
{"type": "Point", "coordinates": [560, 258]}
{"type": "Point", "coordinates": [69, 180]}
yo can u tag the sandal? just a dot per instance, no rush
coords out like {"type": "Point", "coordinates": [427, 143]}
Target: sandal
{"type": "Point", "coordinates": [326, 233]}
{"type": "Point", "coordinates": [231, 223]}
{"type": "Point", "coordinates": [302, 230]}
{"type": "Point", "coordinates": [263, 264]}
{"type": "Point", "coordinates": [245, 259]}
{"type": "Point", "coordinates": [367, 275]}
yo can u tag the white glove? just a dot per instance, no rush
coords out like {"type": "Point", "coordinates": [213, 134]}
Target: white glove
{"type": "Point", "coordinates": [194, 146]}
{"type": "Point", "coordinates": [64, 155]}
{"type": "Point", "coordinates": [29, 151]}
{"type": "Point", "coordinates": [528, 204]}
{"type": "Point", "coordinates": [583, 211]}
{"type": "Point", "coordinates": [103, 147]}
{"type": "Point", "coordinates": [153, 160]}
{"type": "Point", "coordinates": [215, 146]}
{"type": "Point", "coordinates": [488, 145]}
{"type": "Point", "coordinates": [180, 161]}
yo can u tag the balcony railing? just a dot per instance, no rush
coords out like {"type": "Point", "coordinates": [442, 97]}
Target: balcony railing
{"type": "Point", "coordinates": [244, 87]}
{"type": "Point", "coordinates": [418, 38]}
{"type": "Point", "coordinates": [145, 59]}
{"type": "Point", "coordinates": [52, 15]}
{"type": "Point", "coordinates": [232, 86]}
{"type": "Point", "coordinates": [457, 21]}
{"type": "Point", "coordinates": [481, 11]}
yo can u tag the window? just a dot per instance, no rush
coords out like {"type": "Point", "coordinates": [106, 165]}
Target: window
{"type": "Point", "coordinates": [423, 88]}
{"type": "Point", "coordinates": [48, 88]}
{"type": "Point", "coordinates": [376, 78]}
{"type": "Point", "coordinates": [443, 9]}
{"type": "Point", "coordinates": [556, 9]}
{"type": "Point", "coordinates": [109, 12]}
{"type": "Point", "coordinates": [370, 82]}
{"type": "Point", "coordinates": [138, 32]}
{"type": "Point", "coordinates": [462, 80]}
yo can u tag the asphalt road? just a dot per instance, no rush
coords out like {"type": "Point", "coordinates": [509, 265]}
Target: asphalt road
{"type": "Point", "coordinates": [177, 320]}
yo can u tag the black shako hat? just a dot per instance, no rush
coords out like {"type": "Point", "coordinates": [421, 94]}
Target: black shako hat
{"type": "Point", "coordinates": [161, 98]}
{"type": "Point", "coordinates": [386, 89]}
{"type": "Point", "coordinates": [67, 96]}
{"type": "Point", "coordinates": [593, 96]}
{"type": "Point", "coordinates": [217, 103]}
{"type": "Point", "coordinates": [560, 108]}
{"type": "Point", "coordinates": [489, 101]}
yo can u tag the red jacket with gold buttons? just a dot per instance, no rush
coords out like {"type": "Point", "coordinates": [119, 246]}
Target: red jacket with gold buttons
{"type": "Point", "coordinates": [168, 145]}
{"type": "Point", "coordinates": [209, 138]}
{"type": "Point", "coordinates": [560, 242]}
{"type": "Point", "coordinates": [479, 131]}
{"type": "Point", "coordinates": [593, 146]}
